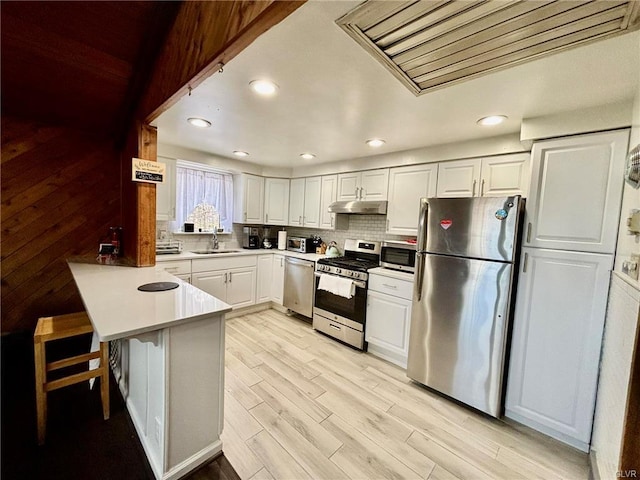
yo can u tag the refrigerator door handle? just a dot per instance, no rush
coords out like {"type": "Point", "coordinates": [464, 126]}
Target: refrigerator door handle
{"type": "Point", "coordinates": [420, 259]}
{"type": "Point", "coordinates": [421, 244]}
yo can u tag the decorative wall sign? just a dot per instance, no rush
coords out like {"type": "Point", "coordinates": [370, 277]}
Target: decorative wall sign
{"type": "Point", "coordinates": [147, 171]}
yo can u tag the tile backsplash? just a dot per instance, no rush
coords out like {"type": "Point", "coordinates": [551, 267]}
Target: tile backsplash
{"type": "Point", "coordinates": [364, 227]}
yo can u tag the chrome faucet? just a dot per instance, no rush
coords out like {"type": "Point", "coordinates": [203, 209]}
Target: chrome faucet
{"type": "Point", "coordinates": [214, 240]}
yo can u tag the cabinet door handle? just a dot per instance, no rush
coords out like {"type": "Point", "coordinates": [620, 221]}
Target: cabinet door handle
{"type": "Point", "coordinates": [482, 188]}
{"type": "Point", "coordinates": [473, 189]}
{"type": "Point", "coordinates": [266, 218]}
{"type": "Point", "coordinates": [225, 277]}
{"type": "Point", "coordinates": [230, 276]}
{"type": "Point", "coordinates": [332, 220]}
{"type": "Point", "coordinates": [300, 220]}
{"type": "Point", "coordinates": [357, 192]}
{"type": "Point", "coordinates": [245, 216]}
{"type": "Point", "coordinates": [526, 261]}
{"type": "Point", "coordinates": [529, 232]}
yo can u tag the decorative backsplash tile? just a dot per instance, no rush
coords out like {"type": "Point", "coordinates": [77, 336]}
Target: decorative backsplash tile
{"type": "Point", "coordinates": [364, 227]}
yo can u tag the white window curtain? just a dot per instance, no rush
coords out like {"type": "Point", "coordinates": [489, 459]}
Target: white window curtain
{"type": "Point", "coordinates": [194, 187]}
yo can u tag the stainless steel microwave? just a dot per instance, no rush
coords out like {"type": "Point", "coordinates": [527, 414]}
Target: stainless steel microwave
{"type": "Point", "coordinates": [299, 244]}
{"type": "Point", "coordinates": [398, 255]}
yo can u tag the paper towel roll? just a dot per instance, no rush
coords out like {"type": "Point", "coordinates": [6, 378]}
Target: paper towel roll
{"type": "Point", "coordinates": [282, 240]}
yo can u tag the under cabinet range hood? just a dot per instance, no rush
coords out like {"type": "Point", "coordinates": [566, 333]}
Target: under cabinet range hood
{"type": "Point", "coordinates": [360, 207]}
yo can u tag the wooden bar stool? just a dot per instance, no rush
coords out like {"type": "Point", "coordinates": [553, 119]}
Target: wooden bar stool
{"type": "Point", "coordinates": [56, 328]}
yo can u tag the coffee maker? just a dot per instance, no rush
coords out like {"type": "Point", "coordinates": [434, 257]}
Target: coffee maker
{"type": "Point", "coordinates": [250, 237]}
{"type": "Point", "coordinates": [267, 240]}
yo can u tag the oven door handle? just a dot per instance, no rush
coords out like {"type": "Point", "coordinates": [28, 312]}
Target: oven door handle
{"type": "Point", "coordinates": [358, 283]}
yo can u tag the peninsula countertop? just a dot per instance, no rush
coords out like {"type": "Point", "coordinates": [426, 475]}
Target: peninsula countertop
{"type": "Point", "coordinates": [117, 308]}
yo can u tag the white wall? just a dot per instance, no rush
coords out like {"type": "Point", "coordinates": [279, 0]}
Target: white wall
{"type": "Point", "coordinates": [452, 151]}
{"type": "Point", "coordinates": [619, 335]}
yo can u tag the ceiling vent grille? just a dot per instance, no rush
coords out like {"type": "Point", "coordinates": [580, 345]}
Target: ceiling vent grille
{"type": "Point", "coordinates": [430, 44]}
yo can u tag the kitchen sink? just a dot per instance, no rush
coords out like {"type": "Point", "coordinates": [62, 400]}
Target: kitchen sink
{"type": "Point", "coordinates": [209, 252]}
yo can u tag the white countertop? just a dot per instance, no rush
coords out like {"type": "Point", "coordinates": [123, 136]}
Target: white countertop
{"type": "Point", "coordinates": [257, 251]}
{"type": "Point", "coordinates": [387, 272]}
{"type": "Point", "coordinates": [117, 308]}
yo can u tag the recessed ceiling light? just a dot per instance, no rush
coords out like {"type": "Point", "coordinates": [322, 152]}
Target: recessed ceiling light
{"type": "Point", "coordinates": [307, 156]}
{"type": "Point", "coordinates": [491, 120]}
{"type": "Point", "coordinates": [263, 87]}
{"type": "Point", "coordinates": [240, 153]}
{"type": "Point", "coordinates": [375, 142]}
{"type": "Point", "coordinates": [199, 122]}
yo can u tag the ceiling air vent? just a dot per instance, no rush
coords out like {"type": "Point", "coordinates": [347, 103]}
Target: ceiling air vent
{"type": "Point", "coordinates": [431, 44]}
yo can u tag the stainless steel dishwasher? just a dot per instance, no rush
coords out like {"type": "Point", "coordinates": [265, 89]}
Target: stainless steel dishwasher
{"type": "Point", "coordinates": [298, 286]}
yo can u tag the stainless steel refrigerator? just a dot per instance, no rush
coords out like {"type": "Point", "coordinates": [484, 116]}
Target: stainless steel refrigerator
{"type": "Point", "coordinates": [464, 283]}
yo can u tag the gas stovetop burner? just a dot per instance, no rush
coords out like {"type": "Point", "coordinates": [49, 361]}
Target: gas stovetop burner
{"type": "Point", "coordinates": [361, 265]}
{"type": "Point", "coordinates": [359, 257]}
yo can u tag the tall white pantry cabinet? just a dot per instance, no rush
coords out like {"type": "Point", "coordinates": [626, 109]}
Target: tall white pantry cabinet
{"type": "Point", "coordinates": [570, 232]}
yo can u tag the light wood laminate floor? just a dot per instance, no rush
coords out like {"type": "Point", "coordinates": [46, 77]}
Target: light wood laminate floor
{"type": "Point", "coordinates": [300, 405]}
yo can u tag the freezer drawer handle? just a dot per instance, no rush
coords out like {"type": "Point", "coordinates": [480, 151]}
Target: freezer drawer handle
{"type": "Point", "coordinates": [524, 264]}
{"type": "Point", "coordinates": [395, 287]}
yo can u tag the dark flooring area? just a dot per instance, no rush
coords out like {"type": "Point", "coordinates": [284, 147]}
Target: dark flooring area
{"type": "Point", "coordinates": [79, 443]}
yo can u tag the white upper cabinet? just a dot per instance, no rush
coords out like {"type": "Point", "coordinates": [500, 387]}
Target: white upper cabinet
{"type": "Point", "coordinates": [365, 185]}
{"type": "Point", "coordinates": [276, 201]}
{"type": "Point", "coordinates": [248, 196]}
{"type": "Point", "coordinates": [407, 185]}
{"type": "Point", "coordinates": [296, 201]}
{"type": "Point", "coordinates": [498, 176]}
{"type": "Point", "coordinates": [166, 192]}
{"type": "Point", "coordinates": [312, 187]}
{"type": "Point", "coordinates": [505, 175]}
{"type": "Point", "coordinates": [304, 202]}
{"type": "Point", "coordinates": [328, 195]}
{"type": "Point", "coordinates": [575, 192]}
{"type": "Point", "coordinates": [348, 185]}
{"type": "Point", "coordinates": [459, 178]}
{"type": "Point", "coordinates": [374, 184]}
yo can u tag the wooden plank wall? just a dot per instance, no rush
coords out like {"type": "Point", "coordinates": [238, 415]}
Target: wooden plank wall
{"type": "Point", "coordinates": [60, 194]}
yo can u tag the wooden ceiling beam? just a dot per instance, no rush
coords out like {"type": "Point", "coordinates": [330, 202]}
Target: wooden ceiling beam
{"type": "Point", "coordinates": [205, 35]}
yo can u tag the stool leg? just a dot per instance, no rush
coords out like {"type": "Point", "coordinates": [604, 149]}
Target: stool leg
{"type": "Point", "coordinates": [41, 394]}
{"type": "Point", "coordinates": [104, 378]}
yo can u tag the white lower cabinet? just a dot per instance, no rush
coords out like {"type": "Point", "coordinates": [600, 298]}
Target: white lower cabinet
{"type": "Point", "coordinates": [277, 284]}
{"type": "Point", "coordinates": [265, 274]}
{"type": "Point", "coordinates": [557, 334]}
{"type": "Point", "coordinates": [231, 279]}
{"type": "Point", "coordinates": [389, 316]}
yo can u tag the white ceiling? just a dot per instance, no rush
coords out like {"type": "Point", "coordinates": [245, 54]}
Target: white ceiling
{"type": "Point", "coordinates": [333, 96]}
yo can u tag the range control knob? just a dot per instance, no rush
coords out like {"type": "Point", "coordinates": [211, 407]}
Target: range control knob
{"type": "Point", "coordinates": [338, 270]}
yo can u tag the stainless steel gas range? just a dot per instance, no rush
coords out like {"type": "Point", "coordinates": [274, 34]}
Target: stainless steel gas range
{"type": "Point", "coordinates": [340, 304]}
